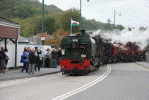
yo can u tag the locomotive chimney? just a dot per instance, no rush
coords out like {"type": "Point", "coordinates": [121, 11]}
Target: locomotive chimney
{"type": "Point", "coordinates": [82, 32]}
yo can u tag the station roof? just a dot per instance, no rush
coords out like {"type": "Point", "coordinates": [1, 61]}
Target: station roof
{"type": "Point", "coordinates": [9, 29]}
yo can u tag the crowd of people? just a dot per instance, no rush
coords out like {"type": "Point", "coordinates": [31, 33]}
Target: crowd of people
{"type": "Point", "coordinates": [4, 57]}
{"type": "Point", "coordinates": [53, 57]}
{"type": "Point", "coordinates": [31, 60]}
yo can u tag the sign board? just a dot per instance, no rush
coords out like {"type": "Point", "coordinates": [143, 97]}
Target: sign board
{"type": "Point", "coordinates": [38, 41]}
{"type": "Point", "coordinates": [41, 55]}
{"type": "Point", "coordinates": [42, 38]}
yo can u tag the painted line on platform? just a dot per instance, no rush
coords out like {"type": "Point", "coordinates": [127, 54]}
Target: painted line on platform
{"type": "Point", "coordinates": [64, 96]}
{"type": "Point", "coordinates": [16, 82]}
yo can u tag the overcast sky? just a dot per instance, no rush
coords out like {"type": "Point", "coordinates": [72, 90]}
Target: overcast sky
{"type": "Point", "coordinates": [134, 13]}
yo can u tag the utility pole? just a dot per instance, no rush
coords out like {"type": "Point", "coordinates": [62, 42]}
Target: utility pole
{"type": "Point", "coordinates": [42, 19]}
{"type": "Point", "coordinates": [114, 19]}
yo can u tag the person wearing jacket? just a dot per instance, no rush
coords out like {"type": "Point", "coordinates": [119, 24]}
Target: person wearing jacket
{"type": "Point", "coordinates": [32, 61]}
{"type": "Point", "coordinates": [6, 59]}
{"type": "Point", "coordinates": [25, 60]}
{"type": "Point", "coordinates": [38, 64]}
{"type": "Point", "coordinates": [59, 55]}
{"type": "Point", "coordinates": [2, 60]}
{"type": "Point", "coordinates": [53, 58]}
{"type": "Point", "coordinates": [48, 58]}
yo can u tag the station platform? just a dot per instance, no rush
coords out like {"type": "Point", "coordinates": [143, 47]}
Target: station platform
{"type": "Point", "coordinates": [17, 74]}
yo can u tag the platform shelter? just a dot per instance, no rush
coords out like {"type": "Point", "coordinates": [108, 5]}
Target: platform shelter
{"type": "Point", "coordinates": [9, 30]}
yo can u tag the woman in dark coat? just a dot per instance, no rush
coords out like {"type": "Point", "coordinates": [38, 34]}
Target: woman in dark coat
{"type": "Point", "coordinates": [2, 60]}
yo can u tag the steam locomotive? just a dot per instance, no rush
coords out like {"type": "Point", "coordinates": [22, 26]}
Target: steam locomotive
{"type": "Point", "coordinates": [82, 53]}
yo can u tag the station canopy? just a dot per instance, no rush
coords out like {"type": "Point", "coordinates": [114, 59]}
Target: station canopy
{"type": "Point", "coordinates": [9, 29]}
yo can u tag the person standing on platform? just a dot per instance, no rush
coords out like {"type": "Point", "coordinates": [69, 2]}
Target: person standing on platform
{"type": "Point", "coordinates": [38, 59]}
{"type": "Point", "coordinates": [59, 55]}
{"type": "Point", "coordinates": [32, 61]}
{"type": "Point", "coordinates": [53, 58]}
{"type": "Point", "coordinates": [6, 59]}
{"type": "Point", "coordinates": [25, 60]}
{"type": "Point", "coordinates": [48, 58]}
{"type": "Point", "coordinates": [2, 60]}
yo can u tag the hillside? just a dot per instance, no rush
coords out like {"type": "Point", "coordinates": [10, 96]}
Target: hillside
{"type": "Point", "coordinates": [24, 8]}
{"type": "Point", "coordinates": [28, 14]}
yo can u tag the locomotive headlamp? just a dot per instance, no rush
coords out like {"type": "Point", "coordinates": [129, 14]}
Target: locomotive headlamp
{"type": "Point", "coordinates": [75, 40]}
{"type": "Point", "coordinates": [63, 66]}
{"type": "Point", "coordinates": [63, 51]}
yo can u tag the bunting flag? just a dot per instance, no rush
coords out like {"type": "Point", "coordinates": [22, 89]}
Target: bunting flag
{"type": "Point", "coordinates": [74, 23]}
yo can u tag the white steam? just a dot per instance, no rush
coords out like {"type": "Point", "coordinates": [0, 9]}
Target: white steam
{"type": "Point", "coordinates": [124, 36]}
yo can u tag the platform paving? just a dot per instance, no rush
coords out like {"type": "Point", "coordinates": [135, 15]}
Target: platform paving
{"type": "Point", "coordinates": [17, 74]}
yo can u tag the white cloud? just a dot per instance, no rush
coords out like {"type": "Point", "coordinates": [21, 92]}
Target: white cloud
{"type": "Point", "coordinates": [133, 12]}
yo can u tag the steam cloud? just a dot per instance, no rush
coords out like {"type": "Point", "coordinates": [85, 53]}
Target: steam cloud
{"type": "Point", "coordinates": [124, 36]}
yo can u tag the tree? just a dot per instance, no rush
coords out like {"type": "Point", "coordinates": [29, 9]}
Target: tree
{"type": "Point", "coordinates": [120, 27]}
{"type": "Point", "coordinates": [129, 28]}
{"type": "Point", "coordinates": [142, 28]}
{"type": "Point", "coordinates": [49, 24]}
{"type": "Point", "coordinates": [65, 19]}
{"type": "Point", "coordinates": [109, 21]}
{"type": "Point", "coordinates": [57, 37]}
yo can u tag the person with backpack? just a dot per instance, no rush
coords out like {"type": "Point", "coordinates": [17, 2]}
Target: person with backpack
{"type": "Point", "coordinates": [2, 60]}
{"type": "Point", "coordinates": [25, 57]}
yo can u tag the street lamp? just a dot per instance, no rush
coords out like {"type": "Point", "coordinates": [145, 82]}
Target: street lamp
{"type": "Point", "coordinates": [80, 14]}
{"type": "Point", "coordinates": [42, 19]}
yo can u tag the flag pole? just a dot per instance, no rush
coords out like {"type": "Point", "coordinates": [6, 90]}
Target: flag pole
{"type": "Point", "coordinates": [70, 27]}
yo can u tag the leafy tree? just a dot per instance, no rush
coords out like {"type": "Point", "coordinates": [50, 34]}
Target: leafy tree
{"type": "Point", "coordinates": [49, 24]}
{"type": "Point", "coordinates": [65, 19]}
{"type": "Point", "coordinates": [24, 8]}
{"type": "Point", "coordinates": [142, 28]}
{"type": "Point", "coordinates": [57, 37]}
{"type": "Point", "coordinates": [120, 27]}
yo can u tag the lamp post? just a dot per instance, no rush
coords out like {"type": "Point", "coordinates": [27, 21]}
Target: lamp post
{"type": "Point", "coordinates": [42, 19]}
{"type": "Point", "coordinates": [80, 14]}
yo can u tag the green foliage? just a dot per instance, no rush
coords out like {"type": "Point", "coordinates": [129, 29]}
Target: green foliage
{"type": "Point", "coordinates": [26, 27]}
{"type": "Point", "coordinates": [142, 28]}
{"type": "Point", "coordinates": [28, 14]}
{"type": "Point", "coordinates": [24, 8]}
{"type": "Point", "coordinates": [120, 27]}
{"type": "Point", "coordinates": [65, 19]}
